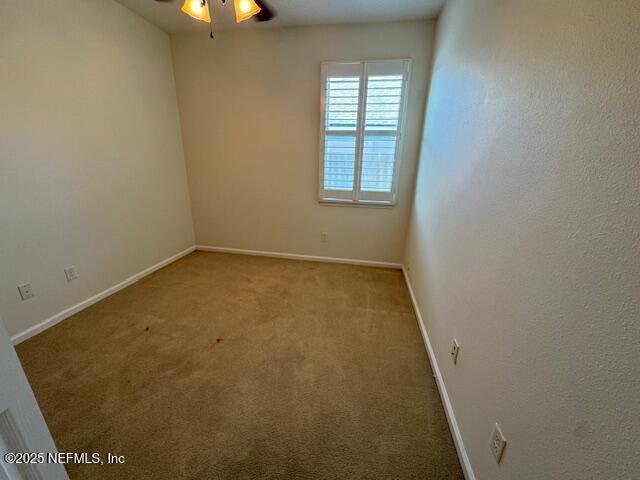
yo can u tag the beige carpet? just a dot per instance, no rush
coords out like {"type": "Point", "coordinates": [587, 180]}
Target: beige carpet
{"type": "Point", "coordinates": [234, 367]}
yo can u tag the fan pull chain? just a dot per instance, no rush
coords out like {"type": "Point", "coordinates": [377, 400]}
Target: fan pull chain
{"type": "Point", "coordinates": [224, 2]}
{"type": "Point", "coordinates": [204, 4]}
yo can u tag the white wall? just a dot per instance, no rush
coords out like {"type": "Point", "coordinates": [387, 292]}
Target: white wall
{"type": "Point", "coordinates": [91, 163]}
{"type": "Point", "coordinates": [250, 109]}
{"type": "Point", "coordinates": [525, 236]}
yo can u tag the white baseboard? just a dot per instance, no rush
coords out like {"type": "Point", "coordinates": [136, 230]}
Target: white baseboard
{"type": "Point", "coordinates": [448, 408]}
{"type": "Point", "coordinates": [296, 256]}
{"type": "Point", "coordinates": [58, 317]}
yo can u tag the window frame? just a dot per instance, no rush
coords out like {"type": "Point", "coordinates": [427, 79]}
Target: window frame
{"type": "Point", "coordinates": [354, 197]}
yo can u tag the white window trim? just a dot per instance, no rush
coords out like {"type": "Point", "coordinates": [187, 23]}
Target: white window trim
{"type": "Point", "coordinates": [352, 198]}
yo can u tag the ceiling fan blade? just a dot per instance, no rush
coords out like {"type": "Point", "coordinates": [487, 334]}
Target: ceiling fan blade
{"type": "Point", "coordinates": [266, 12]}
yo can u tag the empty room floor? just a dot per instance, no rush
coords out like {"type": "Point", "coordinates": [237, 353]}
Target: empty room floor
{"type": "Point", "coordinates": [227, 366]}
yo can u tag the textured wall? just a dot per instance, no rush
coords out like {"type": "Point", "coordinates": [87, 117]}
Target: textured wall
{"type": "Point", "coordinates": [91, 164]}
{"type": "Point", "coordinates": [250, 110]}
{"type": "Point", "coordinates": [525, 236]}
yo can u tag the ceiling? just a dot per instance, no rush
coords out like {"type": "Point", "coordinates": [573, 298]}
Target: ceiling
{"type": "Point", "coordinates": [168, 17]}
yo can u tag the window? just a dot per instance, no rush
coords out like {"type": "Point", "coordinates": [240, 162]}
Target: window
{"type": "Point", "coordinates": [363, 107]}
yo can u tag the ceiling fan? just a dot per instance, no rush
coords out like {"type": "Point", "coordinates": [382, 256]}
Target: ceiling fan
{"type": "Point", "coordinates": [201, 10]}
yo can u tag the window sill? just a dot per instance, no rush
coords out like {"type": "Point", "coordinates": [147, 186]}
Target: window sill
{"type": "Point", "coordinates": [351, 203]}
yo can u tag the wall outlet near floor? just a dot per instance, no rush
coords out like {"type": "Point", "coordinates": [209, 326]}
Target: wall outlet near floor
{"type": "Point", "coordinates": [498, 442]}
{"type": "Point", "coordinates": [323, 237]}
{"type": "Point", "coordinates": [455, 350]}
{"type": "Point", "coordinates": [26, 292]}
{"type": "Point", "coordinates": [71, 273]}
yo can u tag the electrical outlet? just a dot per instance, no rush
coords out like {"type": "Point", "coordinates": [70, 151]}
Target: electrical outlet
{"type": "Point", "coordinates": [498, 442]}
{"type": "Point", "coordinates": [323, 237]}
{"type": "Point", "coordinates": [26, 292]}
{"type": "Point", "coordinates": [455, 350]}
{"type": "Point", "coordinates": [71, 273]}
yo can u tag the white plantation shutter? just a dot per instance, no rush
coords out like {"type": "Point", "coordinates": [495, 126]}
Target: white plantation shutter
{"type": "Point", "coordinates": [342, 100]}
{"type": "Point", "coordinates": [362, 120]}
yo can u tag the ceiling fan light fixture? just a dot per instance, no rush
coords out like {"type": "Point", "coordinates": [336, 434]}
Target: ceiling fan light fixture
{"type": "Point", "coordinates": [197, 9]}
{"type": "Point", "coordinates": [245, 9]}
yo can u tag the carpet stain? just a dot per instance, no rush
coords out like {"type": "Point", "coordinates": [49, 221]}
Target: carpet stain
{"type": "Point", "coordinates": [323, 375]}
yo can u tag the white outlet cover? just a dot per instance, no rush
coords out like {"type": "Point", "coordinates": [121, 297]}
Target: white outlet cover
{"type": "Point", "coordinates": [498, 442]}
{"type": "Point", "coordinates": [26, 292]}
{"type": "Point", "coordinates": [455, 350]}
{"type": "Point", "coordinates": [70, 273]}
